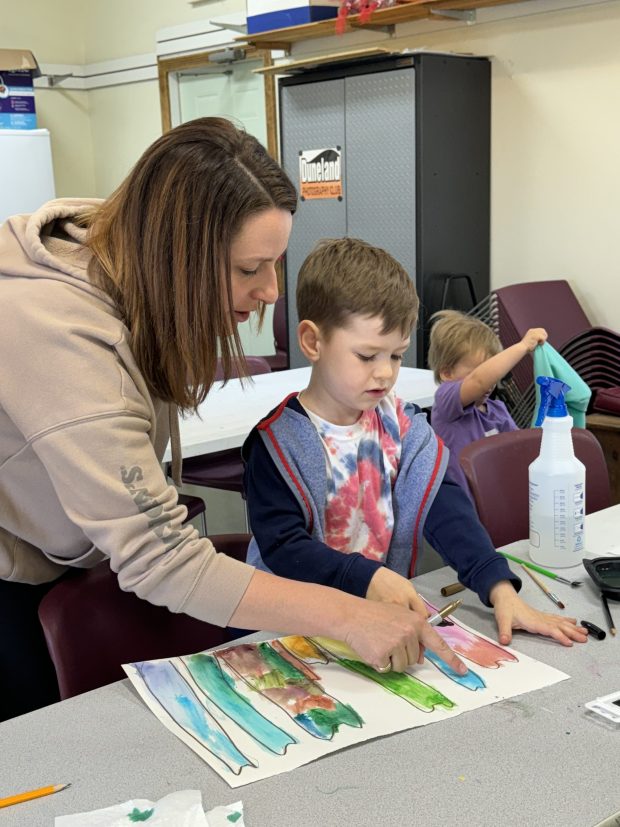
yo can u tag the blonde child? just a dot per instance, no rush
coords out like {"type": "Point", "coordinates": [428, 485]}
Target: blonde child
{"type": "Point", "coordinates": [344, 479]}
{"type": "Point", "coordinates": [467, 360]}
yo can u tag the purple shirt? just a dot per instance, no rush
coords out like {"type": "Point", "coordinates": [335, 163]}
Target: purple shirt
{"type": "Point", "coordinates": [459, 426]}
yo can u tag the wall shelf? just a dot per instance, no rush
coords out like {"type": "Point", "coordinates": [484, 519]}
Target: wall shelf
{"type": "Point", "coordinates": [381, 19]}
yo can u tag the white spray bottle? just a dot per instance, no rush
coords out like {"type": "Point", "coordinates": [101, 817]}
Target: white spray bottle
{"type": "Point", "coordinates": [557, 484]}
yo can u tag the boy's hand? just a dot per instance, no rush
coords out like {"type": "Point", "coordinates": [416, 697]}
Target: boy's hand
{"type": "Point", "coordinates": [534, 337]}
{"type": "Point", "coordinates": [513, 613]}
{"type": "Point", "coordinates": [387, 586]}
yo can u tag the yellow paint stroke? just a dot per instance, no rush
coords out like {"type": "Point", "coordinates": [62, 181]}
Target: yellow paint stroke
{"type": "Point", "coordinates": [337, 648]}
{"type": "Point", "coordinates": [304, 648]}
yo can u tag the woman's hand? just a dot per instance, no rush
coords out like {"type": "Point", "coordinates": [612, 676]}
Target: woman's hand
{"type": "Point", "coordinates": [513, 613]}
{"type": "Point", "coordinates": [387, 586]}
{"type": "Point", "coordinates": [386, 635]}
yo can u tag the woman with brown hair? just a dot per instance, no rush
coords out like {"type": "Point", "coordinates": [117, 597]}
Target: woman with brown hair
{"type": "Point", "coordinates": [111, 316]}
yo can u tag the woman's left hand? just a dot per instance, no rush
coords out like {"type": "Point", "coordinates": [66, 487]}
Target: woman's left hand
{"type": "Point", "coordinates": [513, 613]}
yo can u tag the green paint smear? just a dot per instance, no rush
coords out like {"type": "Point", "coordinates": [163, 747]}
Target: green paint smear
{"type": "Point", "coordinates": [140, 815]}
{"type": "Point", "coordinates": [330, 720]}
{"type": "Point", "coordinates": [234, 817]}
{"type": "Point", "coordinates": [408, 688]}
{"type": "Point", "coordinates": [272, 680]}
{"type": "Point", "coordinates": [277, 663]}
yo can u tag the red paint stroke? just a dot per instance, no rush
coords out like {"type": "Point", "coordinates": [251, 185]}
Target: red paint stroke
{"type": "Point", "coordinates": [472, 646]}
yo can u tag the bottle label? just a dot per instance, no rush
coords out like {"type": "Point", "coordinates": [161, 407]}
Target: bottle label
{"type": "Point", "coordinates": [557, 517]}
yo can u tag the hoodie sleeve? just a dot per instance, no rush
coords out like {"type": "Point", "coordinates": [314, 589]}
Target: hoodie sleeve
{"type": "Point", "coordinates": [91, 478]}
{"type": "Point", "coordinates": [457, 535]}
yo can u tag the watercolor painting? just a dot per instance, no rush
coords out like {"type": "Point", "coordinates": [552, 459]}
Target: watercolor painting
{"type": "Point", "coordinates": [253, 710]}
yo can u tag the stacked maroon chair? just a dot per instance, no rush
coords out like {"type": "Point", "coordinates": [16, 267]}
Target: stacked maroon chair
{"type": "Point", "coordinates": [594, 352]}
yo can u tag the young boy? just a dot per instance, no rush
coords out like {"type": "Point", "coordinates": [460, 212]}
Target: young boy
{"type": "Point", "coordinates": [467, 360]}
{"type": "Point", "coordinates": [344, 479]}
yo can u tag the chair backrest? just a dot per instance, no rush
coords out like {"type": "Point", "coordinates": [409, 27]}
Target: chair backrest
{"type": "Point", "coordinates": [496, 469]}
{"type": "Point", "coordinates": [549, 304]}
{"type": "Point", "coordinates": [92, 627]}
{"type": "Point", "coordinates": [256, 365]}
{"type": "Point", "coordinates": [280, 329]}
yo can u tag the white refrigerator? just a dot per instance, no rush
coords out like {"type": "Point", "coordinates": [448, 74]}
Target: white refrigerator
{"type": "Point", "coordinates": [26, 172]}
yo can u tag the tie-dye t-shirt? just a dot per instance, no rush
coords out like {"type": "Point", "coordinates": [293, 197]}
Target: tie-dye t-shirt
{"type": "Point", "coordinates": [362, 464]}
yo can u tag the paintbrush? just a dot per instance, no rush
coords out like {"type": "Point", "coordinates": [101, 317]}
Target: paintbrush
{"type": "Point", "coordinates": [541, 585]}
{"type": "Point", "coordinates": [610, 620]}
{"type": "Point", "coordinates": [540, 570]}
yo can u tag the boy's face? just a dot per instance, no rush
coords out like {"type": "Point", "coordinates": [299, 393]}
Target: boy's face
{"type": "Point", "coordinates": [355, 368]}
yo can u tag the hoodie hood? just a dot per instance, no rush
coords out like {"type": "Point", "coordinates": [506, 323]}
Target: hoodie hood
{"type": "Point", "coordinates": [50, 244]}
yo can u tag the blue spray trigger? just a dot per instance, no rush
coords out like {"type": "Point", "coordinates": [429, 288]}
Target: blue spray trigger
{"type": "Point", "coordinates": [552, 402]}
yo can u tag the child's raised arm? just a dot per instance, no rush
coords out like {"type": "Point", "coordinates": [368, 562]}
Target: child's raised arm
{"type": "Point", "coordinates": [483, 378]}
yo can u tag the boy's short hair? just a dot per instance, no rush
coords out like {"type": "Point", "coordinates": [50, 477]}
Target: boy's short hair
{"type": "Point", "coordinates": [454, 335]}
{"type": "Point", "coordinates": [342, 277]}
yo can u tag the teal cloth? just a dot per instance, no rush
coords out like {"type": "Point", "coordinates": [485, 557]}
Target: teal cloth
{"type": "Point", "coordinates": [548, 362]}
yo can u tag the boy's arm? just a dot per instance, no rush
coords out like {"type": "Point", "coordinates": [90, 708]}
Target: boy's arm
{"type": "Point", "coordinates": [279, 527]}
{"type": "Point", "coordinates": [455, 532]}
{"type": "Point", "coordinates": [483, 378]}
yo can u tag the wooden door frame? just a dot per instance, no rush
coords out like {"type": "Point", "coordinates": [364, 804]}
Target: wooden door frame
{"type": "Point", "coordinates": [165, 66]}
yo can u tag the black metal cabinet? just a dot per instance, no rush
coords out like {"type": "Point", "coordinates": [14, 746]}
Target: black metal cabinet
{"type": "Point", "coordinates": [414, 136]}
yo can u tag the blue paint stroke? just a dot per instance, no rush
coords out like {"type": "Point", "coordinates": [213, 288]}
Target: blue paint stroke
{"type": "Point", "coordinates": [179, 700]}
{"type": "Point", "coordinates": [471, 680]}
{"type": "Point", "coordinates": [220, 689]}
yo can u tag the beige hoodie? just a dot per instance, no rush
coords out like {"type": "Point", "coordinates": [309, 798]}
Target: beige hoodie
{"type": "Point", "coordinates": [81, 438]}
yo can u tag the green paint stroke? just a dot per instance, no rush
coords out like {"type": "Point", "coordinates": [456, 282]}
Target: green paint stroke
{"type": "Point", "coordinates": [140, 815]}
{"type": "Point", "coordinates": [233, 817]}
{"type": "Point", "coordinates": [276, 663]}
{"type": "Point", "coordinates": [410, 689]}
{"type": "Point", "coordinates": [324, 723]}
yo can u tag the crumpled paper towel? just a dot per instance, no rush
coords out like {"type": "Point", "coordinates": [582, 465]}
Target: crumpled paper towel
{"type": "Point", "coordinates": [179, 809]}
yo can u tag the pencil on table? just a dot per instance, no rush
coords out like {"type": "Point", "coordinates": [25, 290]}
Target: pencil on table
{"type": "Point", "coordinates": [610, 620]}
{"type": "Point", "coordinates": [541, 585]}
{"type": "Point", "coordinates": [28, 796]}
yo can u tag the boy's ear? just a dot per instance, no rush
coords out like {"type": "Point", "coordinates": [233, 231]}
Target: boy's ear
{"type": "Point", "coordinates": [445, 375]}
{"type": "Point", "coordinates": [309, 338]}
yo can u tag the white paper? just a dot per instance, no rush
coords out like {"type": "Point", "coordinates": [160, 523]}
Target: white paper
{"type": "Point", "coordinates": [227, 815]}
{"type": "Point", "coordinates": [380, 711]}
{"type": "Point", "coordinates": [179, 809]}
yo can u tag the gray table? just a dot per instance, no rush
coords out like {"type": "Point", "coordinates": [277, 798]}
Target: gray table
{"type": "Point", "coordinates": [537, 759]}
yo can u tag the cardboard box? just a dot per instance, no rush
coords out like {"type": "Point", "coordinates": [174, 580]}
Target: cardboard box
{"type": "Point", "coordinates": [267, 15]}
{"type": "Point", "coordinates": [18, 67]}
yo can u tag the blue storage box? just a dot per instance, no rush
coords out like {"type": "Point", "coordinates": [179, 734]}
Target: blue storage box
{"type": "Point", "coordinates": [267, 15]}
{"type": "Point", "coordinates": [17, 70]}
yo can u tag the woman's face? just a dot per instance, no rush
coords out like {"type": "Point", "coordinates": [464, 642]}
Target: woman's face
{"type": "Point", "coordinates": [254, 251]}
